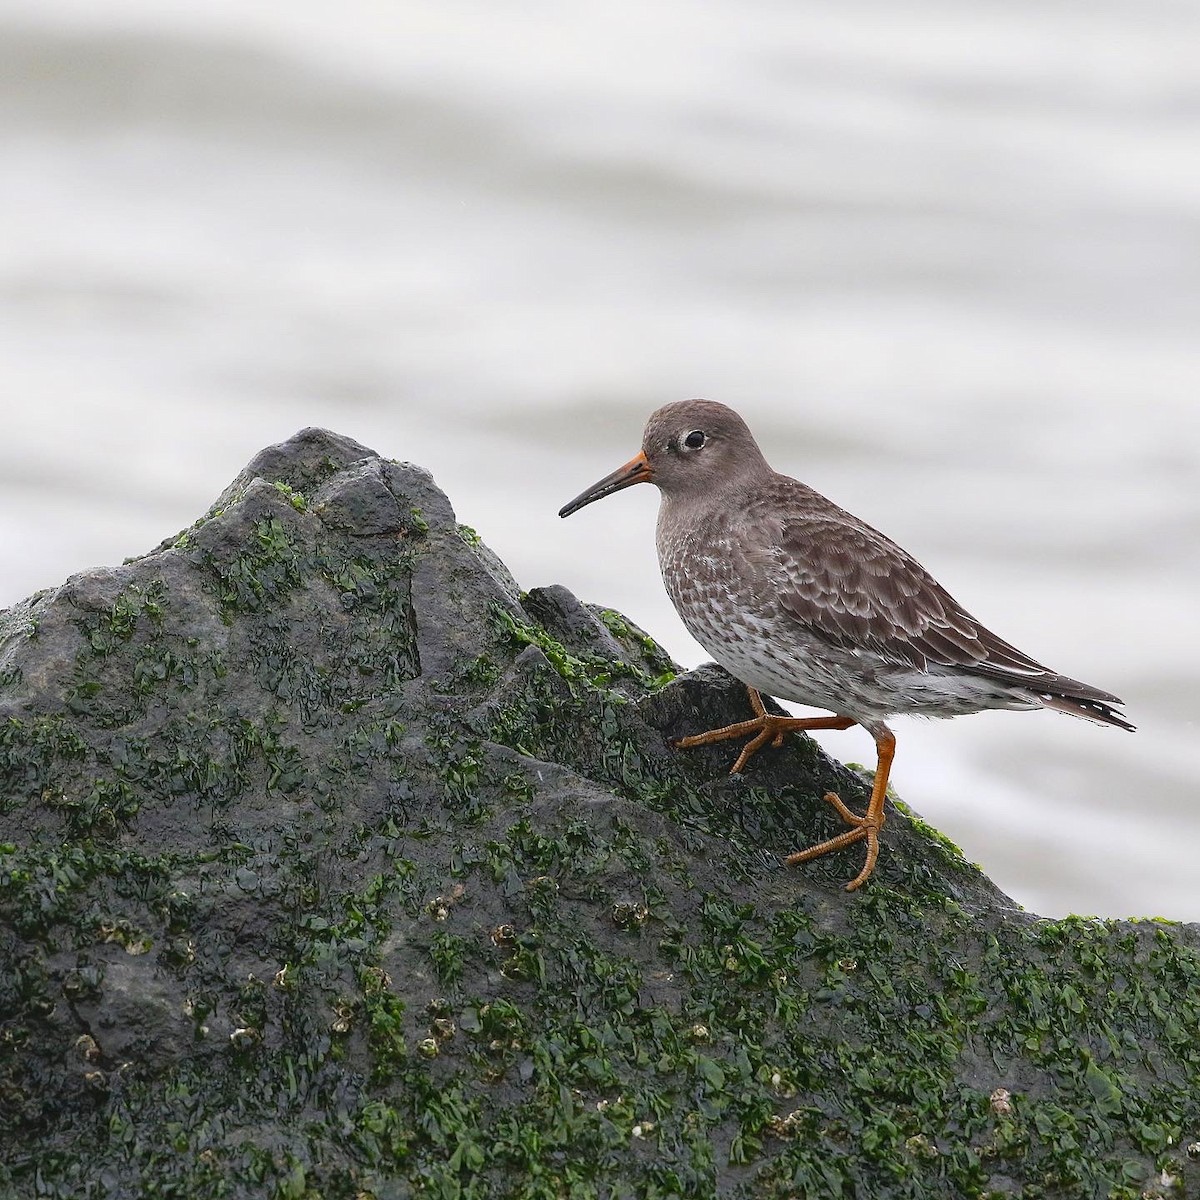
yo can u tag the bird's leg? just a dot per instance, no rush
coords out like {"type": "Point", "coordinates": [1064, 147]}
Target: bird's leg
{"type": "Point", "coordinates": [867, 826]}
{"type": "Point", "coordinates": [765, 726]}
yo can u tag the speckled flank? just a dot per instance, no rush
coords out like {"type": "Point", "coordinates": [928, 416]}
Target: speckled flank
{"type": "Point", "coordinates": [735, 615]}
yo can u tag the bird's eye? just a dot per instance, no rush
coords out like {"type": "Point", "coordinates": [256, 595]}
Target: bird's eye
{"type": "Point", "coordinates": [695, 439]}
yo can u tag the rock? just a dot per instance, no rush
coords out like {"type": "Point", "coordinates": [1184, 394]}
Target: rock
{"type": "Point", "coordinates": [332, 865]}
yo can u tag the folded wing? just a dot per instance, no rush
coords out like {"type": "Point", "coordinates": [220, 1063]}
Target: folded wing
{"type": "Point", "coordinates": [862, 591]}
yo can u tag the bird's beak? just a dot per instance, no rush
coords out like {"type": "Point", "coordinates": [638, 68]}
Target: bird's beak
{"type": "Point", "coordinates": [636, 470]}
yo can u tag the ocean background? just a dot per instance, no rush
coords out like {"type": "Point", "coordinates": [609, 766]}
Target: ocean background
{"type": "Point", "coordinates": [944, 258]}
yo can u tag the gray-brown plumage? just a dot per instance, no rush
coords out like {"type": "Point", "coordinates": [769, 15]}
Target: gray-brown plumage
{"type": "Point", "coordinates": [801, 600]}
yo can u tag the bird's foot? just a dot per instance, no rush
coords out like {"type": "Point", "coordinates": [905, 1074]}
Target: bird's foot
{"type": "Point", "coordinates": [765, 726]}
{"type": "Point", "coordinates": [867, 827]}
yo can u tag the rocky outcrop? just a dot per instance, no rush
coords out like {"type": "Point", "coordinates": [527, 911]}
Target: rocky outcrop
{"type": "Point", "coordinates": [333, 865]}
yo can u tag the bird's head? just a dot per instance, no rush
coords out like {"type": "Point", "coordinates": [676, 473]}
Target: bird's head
{"type": "Point", "coordinates": [690, 449]}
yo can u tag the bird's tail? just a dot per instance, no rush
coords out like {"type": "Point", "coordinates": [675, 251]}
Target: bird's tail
{"type": "Point", "coordinates": [1088, 709]}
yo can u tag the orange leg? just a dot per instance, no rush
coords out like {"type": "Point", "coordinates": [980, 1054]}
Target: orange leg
{"type": "Point", "coordinates": [867, 826]}
{"type": "Point", "coordinates": [766, 728]}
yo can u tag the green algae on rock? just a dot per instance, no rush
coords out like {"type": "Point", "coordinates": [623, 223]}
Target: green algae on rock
{"type": "Point", "coordinates": [332, 865]}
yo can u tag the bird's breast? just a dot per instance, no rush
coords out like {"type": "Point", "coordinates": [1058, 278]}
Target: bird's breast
{"type": "Point", "coordinates": [719, 594]}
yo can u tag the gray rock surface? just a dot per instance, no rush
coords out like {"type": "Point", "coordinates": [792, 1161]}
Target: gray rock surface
{"type": "Point", "coordinates": [333, 865]}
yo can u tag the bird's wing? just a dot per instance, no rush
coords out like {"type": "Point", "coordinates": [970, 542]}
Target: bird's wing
{"type": "Point", "coordinates": [850, 585]}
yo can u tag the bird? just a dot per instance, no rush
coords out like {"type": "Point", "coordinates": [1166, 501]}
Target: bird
{"type": "Point", "coordinates": [800, 600]}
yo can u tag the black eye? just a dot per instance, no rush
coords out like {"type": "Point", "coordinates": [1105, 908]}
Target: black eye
{"type": "Point", "coordinates": [695, 439]}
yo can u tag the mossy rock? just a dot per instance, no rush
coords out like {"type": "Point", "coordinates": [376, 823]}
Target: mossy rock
{"type": "Point", "coordinates": [331, 865]}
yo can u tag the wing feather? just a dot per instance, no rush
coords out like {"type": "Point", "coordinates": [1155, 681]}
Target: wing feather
{"type": "Point", "coordinates": [855, 588]}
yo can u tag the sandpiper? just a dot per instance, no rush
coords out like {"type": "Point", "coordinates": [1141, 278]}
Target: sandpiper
{"type": "Point", "coordinates": [801, 600]}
